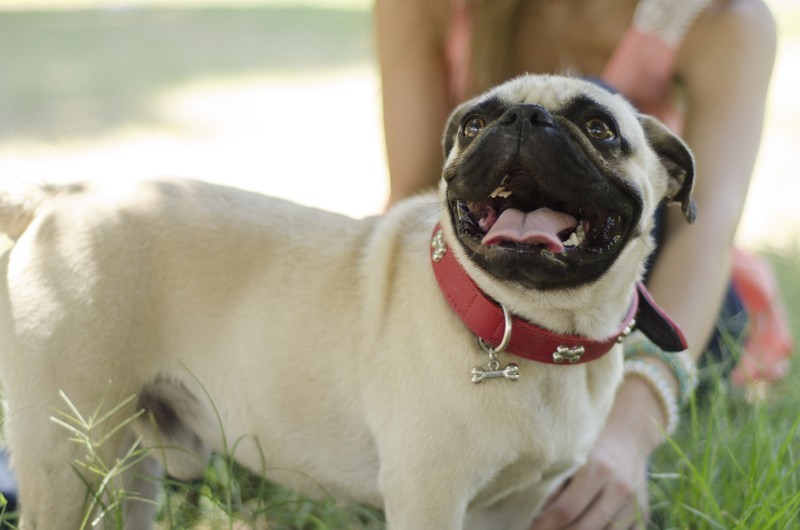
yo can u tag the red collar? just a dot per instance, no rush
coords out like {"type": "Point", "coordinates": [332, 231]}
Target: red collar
{"type": "Point", "coordinates": [485, 318]}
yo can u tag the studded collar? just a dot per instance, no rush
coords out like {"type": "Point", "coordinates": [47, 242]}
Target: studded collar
{"type": "Point", "coordinates": [492, 323]}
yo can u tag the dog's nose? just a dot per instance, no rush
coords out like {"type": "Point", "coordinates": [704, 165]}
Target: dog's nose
{"type": "Point", "coordinates": [536, 115]}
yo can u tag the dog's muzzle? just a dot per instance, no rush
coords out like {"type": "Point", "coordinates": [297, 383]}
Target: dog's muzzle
{"type": "Point", "coordinates": [540, 224]}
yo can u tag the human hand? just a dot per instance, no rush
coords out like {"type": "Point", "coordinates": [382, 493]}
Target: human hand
{"type": "Point", "coordinates": [610, 490]}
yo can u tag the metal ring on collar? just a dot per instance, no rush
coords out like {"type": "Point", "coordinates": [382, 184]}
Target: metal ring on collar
{"type": "Point", "coordinates": [488, 348]}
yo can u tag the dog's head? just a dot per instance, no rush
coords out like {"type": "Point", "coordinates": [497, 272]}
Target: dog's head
{"type": "Point", "coordinates": [548, 179]}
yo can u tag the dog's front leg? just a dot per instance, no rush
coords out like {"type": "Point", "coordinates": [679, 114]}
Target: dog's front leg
{"type": "Point", "coordinates": [417, 498]}
{"type": "Point", "coordinates": [513, 512]}
{"type": "Point", "coordinates": [428, 481]}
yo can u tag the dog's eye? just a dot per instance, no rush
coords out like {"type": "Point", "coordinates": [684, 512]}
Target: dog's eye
{"type": "Point", "coordinates": [473, 126]}
{"type": "Point", "coordinates": [599, 129]}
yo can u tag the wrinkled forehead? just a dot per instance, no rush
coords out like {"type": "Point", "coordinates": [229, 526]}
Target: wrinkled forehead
{"type": "Point", "coordinates": [559, 93]}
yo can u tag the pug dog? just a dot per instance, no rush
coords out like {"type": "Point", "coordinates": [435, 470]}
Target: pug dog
{"type": "Point", "coordinates": [449, 362]}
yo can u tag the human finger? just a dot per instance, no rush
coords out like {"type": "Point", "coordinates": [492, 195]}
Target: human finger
{"type": "Point", "coordinates": [570, 501]}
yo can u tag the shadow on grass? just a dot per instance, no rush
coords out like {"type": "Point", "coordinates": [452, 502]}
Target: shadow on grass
{"type": "Point", "coordinates": [73, 73]}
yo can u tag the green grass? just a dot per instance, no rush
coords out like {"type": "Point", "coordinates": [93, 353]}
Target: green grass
{"type": "Point", "coordinates": [230, 494]}
{"type": "Point", "coordinates": [733, 464]}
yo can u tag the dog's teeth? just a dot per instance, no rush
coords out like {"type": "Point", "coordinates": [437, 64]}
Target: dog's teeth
{"type": "Point", "coordinates": [577, 237]}
{"type": "Point", "coordinates": [572, 241]}
{"type": "Point", "coordinates": [499, 190]}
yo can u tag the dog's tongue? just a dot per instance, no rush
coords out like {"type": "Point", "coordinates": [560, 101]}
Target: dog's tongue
{"type": "Point", "coordinates": [539, 227]}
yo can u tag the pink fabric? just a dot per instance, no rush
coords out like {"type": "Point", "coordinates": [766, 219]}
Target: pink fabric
{"type": "Point", "coordinates": [457, 52]}
{"type": "Point", "coordinates": [641, 69]}
{"type": "Point", "coordinates": [769, 341]}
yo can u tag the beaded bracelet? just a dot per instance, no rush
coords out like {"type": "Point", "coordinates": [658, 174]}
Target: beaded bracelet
{"type": "Point", "coordinates": [662, 389]}
{"type": "Point", "coordinates": [681, 364]}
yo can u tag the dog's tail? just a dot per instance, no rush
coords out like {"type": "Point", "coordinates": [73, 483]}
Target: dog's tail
{"type": "Point", "coordinates": [19, 202]}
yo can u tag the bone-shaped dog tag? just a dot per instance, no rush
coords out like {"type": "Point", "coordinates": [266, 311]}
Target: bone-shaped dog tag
{"type": "Point", "coordinates": [510, 372]}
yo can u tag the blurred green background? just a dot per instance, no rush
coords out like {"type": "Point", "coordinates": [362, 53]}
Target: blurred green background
{"type": "Point", "coordinates": [278, 96]}
{"type": "Point", "coordinates": [89, 71]}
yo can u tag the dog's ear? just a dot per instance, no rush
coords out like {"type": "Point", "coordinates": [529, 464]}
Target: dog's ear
{"type": "Point", "coordinates": [678, 161]}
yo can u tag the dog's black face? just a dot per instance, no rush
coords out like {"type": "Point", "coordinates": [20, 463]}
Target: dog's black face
{"type": "Point", "coordinates": [545, 191]}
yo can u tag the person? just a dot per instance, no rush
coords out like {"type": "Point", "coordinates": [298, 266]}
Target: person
{"type": "Point", "coordinates": [702, 66]}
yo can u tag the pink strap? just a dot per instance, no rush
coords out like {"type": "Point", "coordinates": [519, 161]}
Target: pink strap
{"type": "Point", "coordinates": [768, 346]}
{"type": "Point", "coordinates": [641, 69]}
{"type": "Point", "coordinates": [457, 51]}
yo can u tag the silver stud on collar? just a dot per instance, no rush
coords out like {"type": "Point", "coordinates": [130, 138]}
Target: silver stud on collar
{"type": "Point", "coordinates": [627, 331]}
{"type": "Point", "coordinates": [571, 355]}
{"type": "Point", "coordinates": [439, 246]}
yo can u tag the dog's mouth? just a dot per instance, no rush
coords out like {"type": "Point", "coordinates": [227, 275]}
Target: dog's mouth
{"type": "Point", "coordinates": [537, 222]}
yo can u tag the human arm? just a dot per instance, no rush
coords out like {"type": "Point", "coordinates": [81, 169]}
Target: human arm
{"type": "Point", "coordinates": [410, 36]}
{"type": "Point", "coordinates": [724, 66]}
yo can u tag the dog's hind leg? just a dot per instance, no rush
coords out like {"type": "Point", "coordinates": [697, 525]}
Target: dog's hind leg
{"type": "Point", "coordinates": [77, 315]}
{"type": "Point", "coordinates": [51, 493]}
{"type": "Point", "coordinates": [70, 472]}
{"type": "Point", "coordinates": [142, 482]}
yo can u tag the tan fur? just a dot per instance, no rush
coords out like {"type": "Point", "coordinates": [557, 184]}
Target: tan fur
{"type": "Point", "coordinates": [315, 348]}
